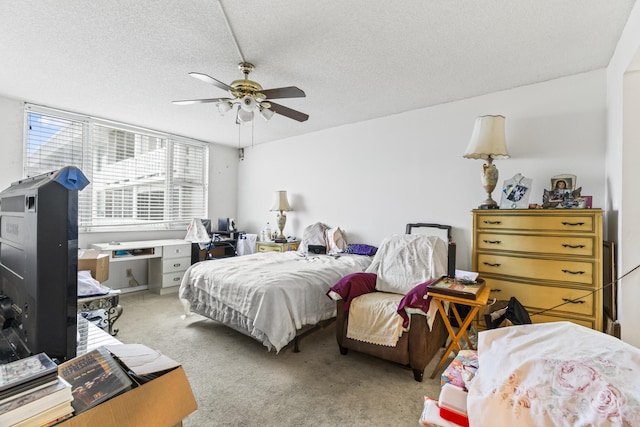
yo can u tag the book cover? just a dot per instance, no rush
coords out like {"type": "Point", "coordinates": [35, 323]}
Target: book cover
{"type": "Point", "coordinates": [456, 287]}
{"type": "Point", "coordinates": [94, 377]}
{"type": "Point", "coordinates": [25, 373]}
{"type": "Point", "coordinates": [40, 400]}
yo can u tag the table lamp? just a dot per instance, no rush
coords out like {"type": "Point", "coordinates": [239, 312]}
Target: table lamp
{"type": "Point", "coordinates": [488, 143]}
{"type": "Point", "coordinates": [281, 204]}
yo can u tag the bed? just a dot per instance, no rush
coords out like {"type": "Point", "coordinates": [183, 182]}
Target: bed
{"type": "Point", "coordinates": [554, 374]}
{"type": "Point", "coordinates": [273, 297]}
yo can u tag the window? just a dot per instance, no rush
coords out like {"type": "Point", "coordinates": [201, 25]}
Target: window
{"type": "Point", "coordinates": [138, 177]}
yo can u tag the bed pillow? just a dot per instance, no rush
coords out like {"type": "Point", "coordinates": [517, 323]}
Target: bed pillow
{"type": "Point", "coordinates": [335, 240]}
{"type": "Point", "coordinates": [361, 249]}
{"type": "Point", "coordinates": [406, 260]}
{"type": "Point", "coordinates": [313, 234]}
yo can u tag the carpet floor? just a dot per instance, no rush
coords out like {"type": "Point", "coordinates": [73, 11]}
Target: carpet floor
{"type": "Point", "coordinates": [237, 382]}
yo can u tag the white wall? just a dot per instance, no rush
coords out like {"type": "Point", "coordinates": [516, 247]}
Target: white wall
{"type": "Point", "coordinates": [623, 174]}
{"type": "Point", "coordinates": [372, 178]}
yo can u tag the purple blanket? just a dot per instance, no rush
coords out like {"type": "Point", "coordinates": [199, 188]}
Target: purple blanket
{"type": "Point", "coordinates": [353, 285]}
{"type": "Point", "coordinates": [356, 284]}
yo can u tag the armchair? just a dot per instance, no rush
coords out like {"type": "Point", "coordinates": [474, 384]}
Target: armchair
{"type": "Point", "coordinates": [417, 346]}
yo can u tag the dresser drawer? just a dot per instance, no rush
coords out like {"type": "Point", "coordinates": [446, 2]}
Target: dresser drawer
{"type": "Point", "coordinates": [540, 269]}
{"type": "Point", "coordinates": [562, 223]}
{"type": "Point", "coordinates": [536, 297]}
{"type": "Point", "coordinates": [266, 248]}
{"type": "Point", "coordinates": [172, 279]}
{"type": "Point", "coordinates": [177, 251]}
{"type": "Point", "coordinates": [175, 264]}
{"type": "Point", "coordinates": [565, 245]}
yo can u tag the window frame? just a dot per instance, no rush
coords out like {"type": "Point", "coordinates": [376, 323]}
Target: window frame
{"type": "Point", "coordinates": [182, 176]}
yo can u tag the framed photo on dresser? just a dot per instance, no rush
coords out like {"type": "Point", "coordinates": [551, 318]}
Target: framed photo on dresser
{"type": "Point", "coordinates": [515, 192]}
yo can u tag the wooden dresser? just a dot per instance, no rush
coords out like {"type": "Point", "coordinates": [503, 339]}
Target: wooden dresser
{"type": "Point", "coordinates": [544, 258]}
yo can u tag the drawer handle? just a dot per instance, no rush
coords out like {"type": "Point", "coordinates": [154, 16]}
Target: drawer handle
{"type": "Point", "coordinates": [572, 246]}
{"type": "Point", "coordinates": [572, 301]}
{"type": "Point", "coordinates": [495, 290]}
{"type": "Point", "coordinates": [176, 279]}
{"type": "Point", "coordinates": [176, 264]}
{"type": "Point", "coordinates": [572, 272]}
{"type": "Point", "coordinates": [492, 242]}
{"type": "Point", "coordinates": [491, 265]}
{"type": "Point", "coordinates": [492, 222]}
{"type": "Point", "coordinates": [572, 224]}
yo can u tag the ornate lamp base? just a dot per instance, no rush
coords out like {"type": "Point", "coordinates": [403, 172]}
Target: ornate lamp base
{"type": "Point", "coordinates": [489, 181]}
{"type": "Point", "coordinates": [282, 220]}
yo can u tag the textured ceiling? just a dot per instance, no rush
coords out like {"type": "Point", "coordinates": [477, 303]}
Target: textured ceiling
{"type": "Point", "coordinates": [356, 60]}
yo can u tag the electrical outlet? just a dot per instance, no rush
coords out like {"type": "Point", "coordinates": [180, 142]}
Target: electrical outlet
{"type": "Point", "coordinates": [129, 272]}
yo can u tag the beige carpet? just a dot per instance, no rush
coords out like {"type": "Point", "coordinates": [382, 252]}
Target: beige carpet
{"type": "Point", "coordinates": [237, 382]}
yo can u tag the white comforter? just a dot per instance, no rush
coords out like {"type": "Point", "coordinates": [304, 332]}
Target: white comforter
{"type": "Point", "coordinates": [554, 374]}
{"type": "Point", "coordinates": [269, 295]}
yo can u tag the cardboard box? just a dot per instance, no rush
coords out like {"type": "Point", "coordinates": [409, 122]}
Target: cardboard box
{"type": "Point", "coordinates": [164, 401]}
{"type": "Point", "coordinates": [96, 262]}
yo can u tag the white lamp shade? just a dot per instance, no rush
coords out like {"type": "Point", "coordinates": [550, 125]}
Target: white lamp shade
{"type": "Point", "coordinates": [245, 116]}
{"type": "Point", "coordinates": [487, 140]}
{"type": "Point", "coordinates": [266, 114]}
{"type": "Point", "coordinates": [223, 107]}
{"type": "Point", "coordinates": [280, 202]}
{"type": "Point", "coordinates": [248, 103]}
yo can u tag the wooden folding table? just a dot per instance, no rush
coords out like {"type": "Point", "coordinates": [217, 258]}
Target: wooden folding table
{"type": "Point", "coordinates": [475, 304]}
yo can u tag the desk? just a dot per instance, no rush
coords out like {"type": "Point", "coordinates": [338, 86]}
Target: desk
{"type": "Point", "coordinates": [167, 261]}
{"type": "Point", "coordinates": [475, 305]}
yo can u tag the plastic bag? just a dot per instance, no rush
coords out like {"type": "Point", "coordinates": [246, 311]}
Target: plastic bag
{"type": "Point", "coordinates": [88, 286]}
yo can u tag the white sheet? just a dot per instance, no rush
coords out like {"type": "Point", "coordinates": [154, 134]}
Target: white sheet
{"type": "Point", "coordinates": [268, 295]}
{"type": "Point", "coordinates": [554, 374]}
{"type": "Point", "coordinates": [374, 318]}
{"type": "Point", "coordinates": [406, 260]}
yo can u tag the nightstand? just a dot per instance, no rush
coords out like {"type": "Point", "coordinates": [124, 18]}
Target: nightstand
{"type": "Point", "coordinates": [277, 247]}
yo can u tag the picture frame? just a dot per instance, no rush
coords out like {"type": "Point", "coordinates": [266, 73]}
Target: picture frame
{"type": "Point", "coordinates": [563, 193]}
{"type": "Point", "coordinates": [515, 192]}
{"type": "Point", "coordinates": [564, 182]}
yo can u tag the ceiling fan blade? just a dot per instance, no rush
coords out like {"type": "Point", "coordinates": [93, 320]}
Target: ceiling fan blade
{"type": "Point", "coordinates": [283, 92]}
{"type": "Point", "coordinates": [208, 79]}
{"type": "Point", "coordinates": [200, 101]}
{"type": "Point", "coordinates": [288, 112]}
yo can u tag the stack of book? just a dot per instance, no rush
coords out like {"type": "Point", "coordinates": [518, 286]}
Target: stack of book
{"type": "Point", "coordinates": [32, 393]}
{"type": "Point", "coordinates": [94, 377]}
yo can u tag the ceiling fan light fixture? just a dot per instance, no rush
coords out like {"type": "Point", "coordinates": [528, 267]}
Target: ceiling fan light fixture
{"type": "Point", "coordinates": [224, 107]}
{"type": "Point", "coordinates": [266, 114]}
{"type": "Point", "coordinates": [248, 103]}
{"type": "Point", "coordinates": [245, 116]}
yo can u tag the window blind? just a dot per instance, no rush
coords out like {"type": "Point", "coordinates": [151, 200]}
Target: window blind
{"type": "Point", "coordinates": [137, 177]}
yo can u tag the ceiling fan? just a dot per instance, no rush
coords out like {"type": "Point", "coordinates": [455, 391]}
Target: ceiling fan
{"type": "Point", "coordinates": [248, 97]}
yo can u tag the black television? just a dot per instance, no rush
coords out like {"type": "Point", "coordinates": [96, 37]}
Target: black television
{"type": "Point", "coordinates": [38, 267]}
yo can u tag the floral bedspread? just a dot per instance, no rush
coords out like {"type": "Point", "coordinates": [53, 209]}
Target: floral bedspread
{"type": "Point", "coordinates": [554, 374]}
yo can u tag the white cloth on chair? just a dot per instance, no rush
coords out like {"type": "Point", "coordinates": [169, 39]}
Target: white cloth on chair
{"type": "Point", "coordinates": [247, 245]}
{"type": "Point", "coordinates": [373, 318]}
